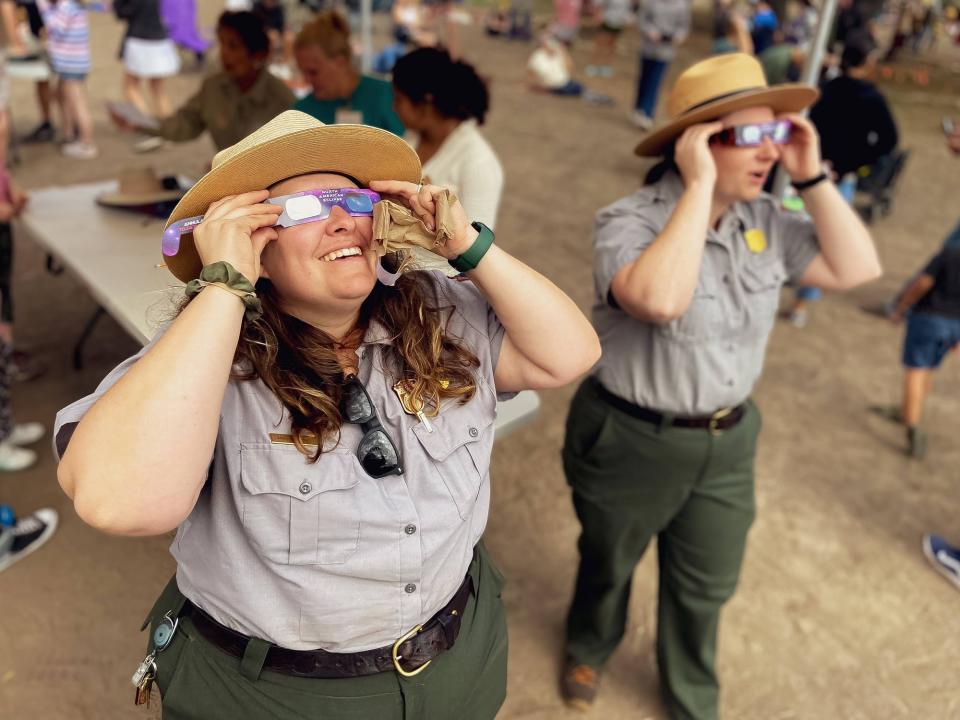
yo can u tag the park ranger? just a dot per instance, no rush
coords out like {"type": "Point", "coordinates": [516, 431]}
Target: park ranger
{"type": "Point", "coordinates": [661, 438]}
{"type": "Point", "coordinates": [319, 435]}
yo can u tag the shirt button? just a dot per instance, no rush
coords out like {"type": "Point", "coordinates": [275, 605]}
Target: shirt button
{"type": "Point", "coordinates": [730, 383]}
{"type": "Point", "coordinates": [410, 588]}
{"type": "Point", "coordinates": [726, 279]}
{"type": "Point", "coordinates": [305, 488]}
{"type": "Point", "coordinates": [474, 432]}
{"type": "Point", "coordinates": [410, 529]}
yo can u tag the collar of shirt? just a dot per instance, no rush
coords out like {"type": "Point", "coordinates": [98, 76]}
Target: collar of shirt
{"type": "Point", "coordinates": [668, 191]}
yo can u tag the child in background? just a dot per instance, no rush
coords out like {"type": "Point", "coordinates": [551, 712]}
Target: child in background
{"type": "Point", "coordinates": [68, 45]}
{"type": "Point", "coordinates": [614, 17]}
{"type": "Point", "coordinates": [148, 53]}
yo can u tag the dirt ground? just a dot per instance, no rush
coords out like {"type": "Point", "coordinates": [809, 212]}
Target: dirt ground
{"type": "Point", "coordinates": [838, 614]}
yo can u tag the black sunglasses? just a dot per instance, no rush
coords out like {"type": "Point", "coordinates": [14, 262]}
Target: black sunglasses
{"type": "Point", "coordinates": [376, 452]}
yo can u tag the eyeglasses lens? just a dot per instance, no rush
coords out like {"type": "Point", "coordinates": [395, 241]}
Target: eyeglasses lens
{"type": "Point", "coordinates": [377, 454]}
{"type": "Point", "coordinates": [356, 406]}
{"type": "Point", "coordinates": [781, 132]}
{"type": "Point", "coordinates": [751, 134]}
{"type": "Point", "coordinates": [358, 203]}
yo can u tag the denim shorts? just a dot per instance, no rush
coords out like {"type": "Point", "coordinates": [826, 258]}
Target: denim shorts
{"type": "Point", "coordinates": [79, 77]}
{"type": "Point", "coordinates": [929, 338]}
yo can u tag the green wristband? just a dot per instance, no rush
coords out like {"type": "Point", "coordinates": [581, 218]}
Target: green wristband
{"type": "Point", "coordinates": [225, 273]}
{"type": "Point", "coordinates": [472, 257]}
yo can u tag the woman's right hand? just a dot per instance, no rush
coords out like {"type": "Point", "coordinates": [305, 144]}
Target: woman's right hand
{"type": "Point", "coordinates": [693, 155]}
{"type": "Point", "coordinates": [236, 229]}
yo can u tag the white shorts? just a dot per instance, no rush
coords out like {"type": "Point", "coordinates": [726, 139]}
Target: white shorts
{"type": "Point", "coordinates": [150, 58]}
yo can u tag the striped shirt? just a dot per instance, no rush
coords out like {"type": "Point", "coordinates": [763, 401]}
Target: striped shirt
{"type": "Point", "coordinates": [68, 36]}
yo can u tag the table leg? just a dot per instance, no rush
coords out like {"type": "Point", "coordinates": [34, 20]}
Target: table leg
{"type": "Point", "coordinates": [84, 336]}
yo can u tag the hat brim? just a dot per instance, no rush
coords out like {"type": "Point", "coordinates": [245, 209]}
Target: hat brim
{"type": "Point", "coordinates": [782, 98]}
{"type": "Point", "coordinates": [362, 152]}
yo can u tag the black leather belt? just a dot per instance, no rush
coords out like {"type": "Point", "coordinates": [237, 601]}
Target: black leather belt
{"type": "Point", "coordinates": [409, 655]}
{"type": "Point", "coordinates": [721, 420]}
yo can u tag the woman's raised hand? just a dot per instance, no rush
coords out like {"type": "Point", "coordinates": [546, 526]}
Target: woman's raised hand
{"type": "Point", "coordinates": [237, 229]}
{"type": "Point", "coordinates": [693, 155]}
{"type": "Point", "coordinates": [422, 200]}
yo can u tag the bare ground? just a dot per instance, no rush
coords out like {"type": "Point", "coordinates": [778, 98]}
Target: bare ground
{"type": "Point", "coordinates": [838, 614]}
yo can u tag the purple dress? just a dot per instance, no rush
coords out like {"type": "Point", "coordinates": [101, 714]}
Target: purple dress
{"type": "Point", "coordinates": [180, 16]}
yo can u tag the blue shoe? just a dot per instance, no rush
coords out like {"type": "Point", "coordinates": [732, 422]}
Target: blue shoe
{"type": "Point", "coordinates": [944, 558]}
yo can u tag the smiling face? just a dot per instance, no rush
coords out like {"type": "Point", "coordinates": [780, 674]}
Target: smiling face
{"type": "Point", "coordinates": [742, 171]}
{"type": "Point", "coordinates": [327, 267]}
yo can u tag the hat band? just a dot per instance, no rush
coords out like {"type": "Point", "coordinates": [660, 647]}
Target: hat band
{"type": "Point", "coordinates": [722, 97]}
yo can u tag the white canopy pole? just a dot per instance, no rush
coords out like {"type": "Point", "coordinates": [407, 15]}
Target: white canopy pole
{"type": "Point", "coordinates": [366, 41]}
{"type": "Point", "coordinates": [811, 71]}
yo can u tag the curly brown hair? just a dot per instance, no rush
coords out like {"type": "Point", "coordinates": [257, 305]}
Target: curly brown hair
{"type": "Point", "coordinates": [298, 362]}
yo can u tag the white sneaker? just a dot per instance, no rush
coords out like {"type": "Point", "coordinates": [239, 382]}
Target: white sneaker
{"type": "Point", "coordinates": [641, 120]}
{"type": "Point", "coordinates": [80, 150]}
{"type": "Point", "coordinates": [150, 144]}
{"type": "Point", "coordinates": [13, 458]}
{"type": "Point", "coordinates": [26, 433]}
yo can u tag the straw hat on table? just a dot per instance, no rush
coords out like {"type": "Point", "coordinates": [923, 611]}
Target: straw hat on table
{"type": "Point", "coordinates": [716, 87]}
{"type": "Point", "coordinates": [291, 144]}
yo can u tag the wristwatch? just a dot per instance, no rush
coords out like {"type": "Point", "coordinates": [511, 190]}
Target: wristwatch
{"type": "Point", "coordinates": [472, 257]}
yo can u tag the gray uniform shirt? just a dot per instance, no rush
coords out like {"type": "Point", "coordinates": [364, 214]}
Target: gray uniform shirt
{"type": "Point", "coordinates": [322, 555]}
{"type": "Point", "coordinates": [711, 356]}
{"type": "Point", "coordinates": [670, 19]}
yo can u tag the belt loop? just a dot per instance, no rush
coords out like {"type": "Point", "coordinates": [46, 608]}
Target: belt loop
{"type": "Point", "coordinates": [666, 421]}
{"type": "Point", "coordinates": [254, 655]}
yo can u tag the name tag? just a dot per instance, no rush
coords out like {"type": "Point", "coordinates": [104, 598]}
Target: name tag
{"type": "Point", "coordinates": [348, 116]}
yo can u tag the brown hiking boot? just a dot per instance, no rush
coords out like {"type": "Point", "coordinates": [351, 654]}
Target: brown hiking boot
{"type": "Point", "coordinates": [579, 685]}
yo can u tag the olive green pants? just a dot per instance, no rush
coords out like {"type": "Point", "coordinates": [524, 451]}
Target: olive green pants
{"type": "Point", "coordinates": [693, 490]}
{"type": "Point", "coordinates": [468, 682]}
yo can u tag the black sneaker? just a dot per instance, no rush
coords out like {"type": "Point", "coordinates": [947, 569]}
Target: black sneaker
{"type": "Point", "coordinates": [26, 367]}
{"type": "Point", "coordinates": [29, 534]}
{"type": "Point", "coordinates": [43, 132]}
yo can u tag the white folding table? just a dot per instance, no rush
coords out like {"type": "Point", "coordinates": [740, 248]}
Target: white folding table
{"type": "Point", "coordinates": [116, 256]}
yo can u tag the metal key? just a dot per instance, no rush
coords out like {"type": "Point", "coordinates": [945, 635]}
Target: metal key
{"type": "Point", "coordinates": [142, 695]}
{"type": "Point", "coordinates": [144, 669]}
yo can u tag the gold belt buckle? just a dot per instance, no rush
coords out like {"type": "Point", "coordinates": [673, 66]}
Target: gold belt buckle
{"type": "Point", "coordinates": [396, 658]}
{"type": "Point", "coordinates": [714, 425]}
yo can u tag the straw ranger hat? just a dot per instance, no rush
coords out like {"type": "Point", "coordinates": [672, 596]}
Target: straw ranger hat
{"type": "Point", "coordinates": [717, 86]}
{"type": "Point", "coordinates": [141, 186]}
{"type": "Point", "coordinates": [291, 144]}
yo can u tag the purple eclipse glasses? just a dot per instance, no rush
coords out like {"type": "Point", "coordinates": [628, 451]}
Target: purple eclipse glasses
{"type": "Point", "coordinates": [753, 135]}
{"type": "Point", "coordinates": [299, 208]}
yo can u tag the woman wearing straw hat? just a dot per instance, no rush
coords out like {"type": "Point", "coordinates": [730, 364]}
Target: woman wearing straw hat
{"type": "Point", "coordinates": [321, 445]}
{"type": "Point", "coordinates": [661, 438]}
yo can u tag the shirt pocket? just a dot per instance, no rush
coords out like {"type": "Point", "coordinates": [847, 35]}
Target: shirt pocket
{"type": "Point", "coordinates": [300, 513]}
{"type": "Point", "coordinates": [761, 283]}
{"type": "Point", "coordinates": [704, 319]}
{"type": "Point", "coordinates": [460, 445]}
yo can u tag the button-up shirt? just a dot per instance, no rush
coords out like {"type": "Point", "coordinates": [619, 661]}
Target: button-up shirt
{"type": "Point", "coordinates": [225, 111]}
{"type": "Point", "coordinates": [323, 555]}
{"type": "Point", "coordinates": [711, 356]}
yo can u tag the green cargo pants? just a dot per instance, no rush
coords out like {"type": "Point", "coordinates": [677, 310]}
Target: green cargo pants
{"type": "Point", "coordinates": [468, 682]}
{"type": "Point", "coordinates": [632, 480]}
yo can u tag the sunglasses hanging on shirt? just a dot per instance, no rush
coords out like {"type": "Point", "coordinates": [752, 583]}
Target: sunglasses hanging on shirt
{"type": "Point", "coordinates": [753, 135]}
{"type": "Point", "coordinates": [298, 208]}
{"type": "Point", "coordinates": [376, 452]}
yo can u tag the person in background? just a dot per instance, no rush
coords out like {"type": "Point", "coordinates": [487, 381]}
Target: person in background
{"type": "Point", "coordinates": [237, 100]}
{"type": "Point", "coordinates": [21, 536]}
{"type": "Point", "coordinates": [931, 306]}
{"type": "Point", "coordinates": [274, 18]}
{"type": "Point", "coordinates": [856, 129]}
{"type": "Point", "coordinates": [68, 46]}
{"type": "Point", "coordinates": [614, 17]}
{"type": "Point", "coordinates": [566, 20]}
{"type": "Point", "coordinates": [763, 25]}
{"type": "Point", "coordinates": [445, 102]}
{"type": "Point", "coordinates": [783, 61]}
{"type": "Point", "coordinates": [340, 94]}
{"type": "Point", "coordinates": [661, 439]}
{"type": "Point", "coordinates": [550, 67]}
{"type": "Point", "coordinates": [663, 25]}
{"type": "Point", "coordinates": [180, 17]}
{"type": "Point", "coordinates": [148, 54]}
{"type": "Point", "coordinates": [731, 31]}
{"type": "Point", "coordinates": [17, 51]}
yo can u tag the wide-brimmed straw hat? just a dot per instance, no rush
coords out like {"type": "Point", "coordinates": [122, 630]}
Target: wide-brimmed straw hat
{"type": "Point", "coordinates": [717, 86]}
{"type": "Point", "coordinates": [291, 144]}
{"type": "Point", "coordinates": [141, 186]}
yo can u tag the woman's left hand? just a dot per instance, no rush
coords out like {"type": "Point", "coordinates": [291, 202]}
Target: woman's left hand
{"type": "Point", "coordinates": [800, 157]}
{"type": "Point", "coordinates": [422, 200]}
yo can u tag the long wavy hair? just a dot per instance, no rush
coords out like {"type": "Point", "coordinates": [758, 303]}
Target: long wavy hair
{"type": "Point", "coordinates": [298, 362]}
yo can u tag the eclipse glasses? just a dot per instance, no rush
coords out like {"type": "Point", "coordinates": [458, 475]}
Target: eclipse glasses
{"type": "Point", "coordinates": [298, 208]}
{"type": "Point", "coordinates": [754, 134]}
